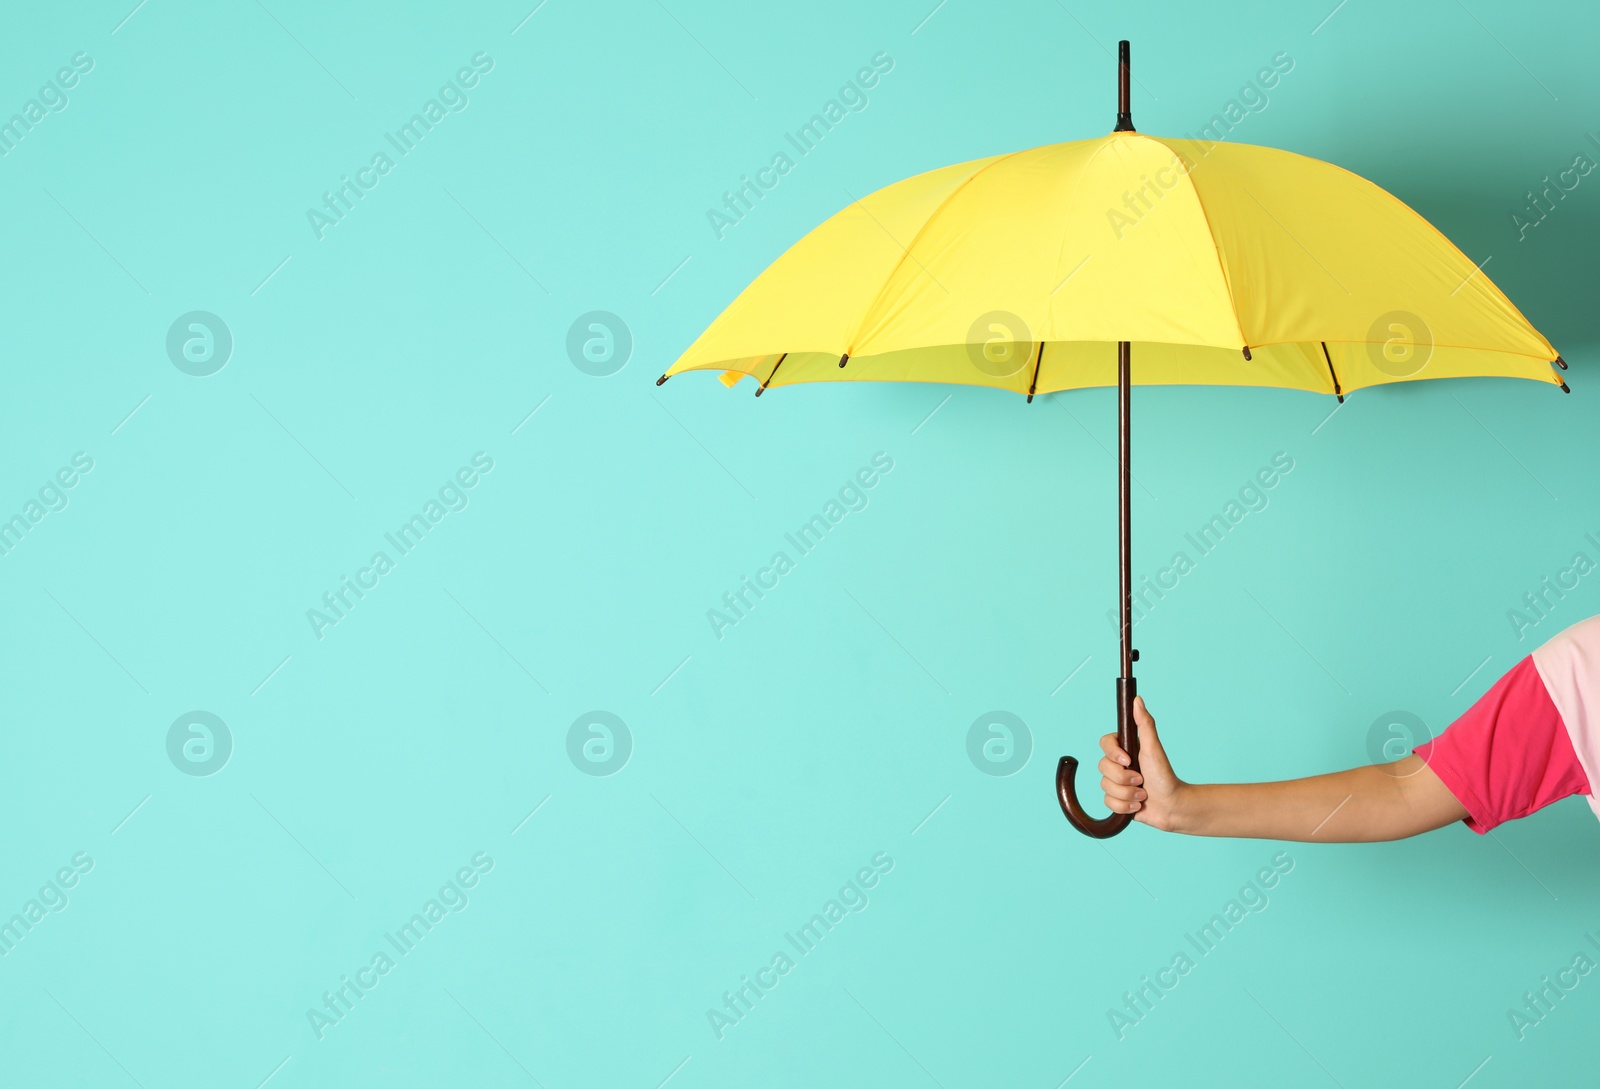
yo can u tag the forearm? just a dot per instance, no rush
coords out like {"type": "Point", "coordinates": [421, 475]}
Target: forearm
{"type": "Point", "coordinates": [1376, 802]}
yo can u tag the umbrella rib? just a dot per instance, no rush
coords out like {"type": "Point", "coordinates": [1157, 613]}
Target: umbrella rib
{"type": "Point", "coordinates": [1216, 248]}
{"type": "Point", "coordinates": [1442, 237]}
{"type": "Point", "coordinates": [1331, 372]}
{"type": "Point", "coordinates": [775, 367]}
{"type": "Point", "coordinates": [906, 250]}
{"type": "Point", "coordinates": [1037, 360]}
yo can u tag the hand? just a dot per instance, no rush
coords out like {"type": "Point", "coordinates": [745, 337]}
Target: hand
{"type": "Point", "coordinates": [1152, 793]}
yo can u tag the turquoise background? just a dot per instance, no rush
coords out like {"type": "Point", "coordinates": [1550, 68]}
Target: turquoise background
{"type": "Point", "coordinates": [767, 766]}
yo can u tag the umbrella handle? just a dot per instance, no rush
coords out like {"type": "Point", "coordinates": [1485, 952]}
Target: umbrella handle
{"type": "Point", "coordinates": [1067, 771]}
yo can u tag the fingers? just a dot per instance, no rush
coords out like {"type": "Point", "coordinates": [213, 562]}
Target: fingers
{"type": "Point", "coordinates": [1114, 773]}
{"type": "Point", "coordinates": [1109, 746]}
{"type": "Point", "coordinates": [1149, 739]}
{"type": "Point", "coordinates": [1123, 787]}
{"type": "Point", "coordinates": [1122, 793]}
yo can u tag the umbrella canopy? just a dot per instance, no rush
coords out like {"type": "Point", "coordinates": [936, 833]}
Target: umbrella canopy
{"type": "Point", "coordinates": [1192, 251]}
{"type": "Point", "coordinates": [1050, 269]}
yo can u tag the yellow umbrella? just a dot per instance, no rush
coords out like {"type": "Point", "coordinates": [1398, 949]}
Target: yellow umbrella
{"type": "Point", "coordinates": [1215, 264]}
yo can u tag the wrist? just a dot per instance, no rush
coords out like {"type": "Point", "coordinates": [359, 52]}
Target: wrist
{"type": "Point", "coordinates": [1184, 811]}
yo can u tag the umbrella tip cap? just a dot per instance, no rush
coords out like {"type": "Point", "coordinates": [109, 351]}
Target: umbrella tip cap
{"type": "Point", "coordinates": [1124, 110]}
{"type": "Point", "coordinates": [662, 379]}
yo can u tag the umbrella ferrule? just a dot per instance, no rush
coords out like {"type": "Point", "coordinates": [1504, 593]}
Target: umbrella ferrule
{"type": "Point", "coordinates": [1124, 110]}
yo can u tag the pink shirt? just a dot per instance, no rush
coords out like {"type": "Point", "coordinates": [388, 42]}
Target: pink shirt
{"type": "Point", "coordinates": [1569, 666]}
{"type": "Point", "coordinates": [1532, 739]}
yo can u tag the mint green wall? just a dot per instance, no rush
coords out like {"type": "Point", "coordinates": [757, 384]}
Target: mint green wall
{"type": "Point", "coordinates": [376, 758]}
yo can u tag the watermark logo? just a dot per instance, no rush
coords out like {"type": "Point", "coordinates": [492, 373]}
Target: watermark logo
{"type": "Point", "coordinates": [999, 743]}
{"type": "Point", "coordinates": [599, 743]}
{"type": "Point", "coordinates": [851, 98]}
{"type": "Point", "coordinates": [1253, 898]}
{"type": "Point", "coordinates": [1394, 734]}
{"type": "Point", "coordinates": [599, 343]}
{"type": "Point", "coordinates": [850, 498]}
{"type": "Point", "coordinates": [451, 98]}
{"type": "Point", "coordinates": [340, 1000]}
{"type": "Point", "coordinates": [1539, 602]}
{"type": "Point", "coordinates": [50, 498]}
{"type": "Point", "coordinates": [52, 899]}
{"type": "Point", "coordinates": [1251, 99]}
{"type": "Point", "coordinates": [1252, 498]}
{"type": "Point", "coordinates": [199, 343]}
{"type": "Point", "coordinates": [1540, 1002]}
{"type": "Point", "coordinates": [1539, 205]}
{"type": "Point", "coordinates": [739, 1001]}
{"type": "Point", "coordinates": [199, 743]}
{"type": "Point", "coordinates": [451, 498]}
{"type": "Point", "coordinates": [1000, 344]}
{"type": "Point", "coordinates": [1400, 343]}
{"type": "Point", "coordinates": [51, 99]}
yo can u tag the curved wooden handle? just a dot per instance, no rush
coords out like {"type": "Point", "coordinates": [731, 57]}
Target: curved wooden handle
{"type": "Point", "coordinates": [1100, 828]}
{"type": "Point", "coordinates": [1067, 771]}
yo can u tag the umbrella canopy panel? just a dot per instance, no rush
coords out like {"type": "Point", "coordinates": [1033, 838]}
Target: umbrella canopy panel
{"type": "Point", "coordinates": [1190, 250]}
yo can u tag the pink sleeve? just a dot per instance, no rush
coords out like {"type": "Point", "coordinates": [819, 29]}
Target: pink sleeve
{"type": "Point", "coordinates": [1509, 754]}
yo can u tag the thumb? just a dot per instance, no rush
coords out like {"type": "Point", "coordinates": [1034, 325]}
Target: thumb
{"type": "Point", "coordinates": [1150, 750]}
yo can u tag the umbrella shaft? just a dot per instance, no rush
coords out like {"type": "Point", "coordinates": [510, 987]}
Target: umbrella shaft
{"type": "Point", "coordinates": [1127, 730]}
{"type": "Point", "coordinates": [1125, 539]}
